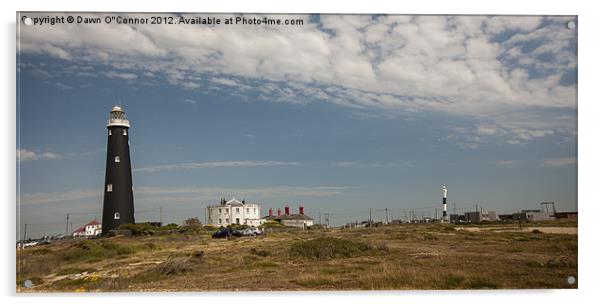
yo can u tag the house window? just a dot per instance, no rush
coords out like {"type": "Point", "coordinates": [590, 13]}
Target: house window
{"type": "Point", "coordinates": [247, 210]}
{"type": "Point", "coordinates": [125, 132]}
{"type": "Point", "coordinates": [109, 187]}
{"type": "Point", "coordinates": [254, 210]}
{"type": "Point", "coordinates": [227, 211]}
{"type": "Point", "coordinates": [219, 211]}
{"type": "Point", "coordinates": [237, 211]}
{"type": "Point", "coordinates": [117, 159]}
{"type": "Point", "coordinates": [110, 133]}
{"type": "Point", "coordinates": [237, 220]}
{"type": "Point", "coordinates": [116, 215]}
{"type": "Point", "coordinates": [227, 220]}
{"type": "Point", "coordinates": [219, 221]}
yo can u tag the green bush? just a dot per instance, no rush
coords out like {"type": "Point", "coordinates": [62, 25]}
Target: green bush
{"type": "Point", "coordinates": [139, 229]}
{"type": "Point", "coordinates": [94, 250]}
{"type": "Point", "coordinates": [235, 226]}
{"type": "Point", "coordinates": [271, 224]}
{"type": "Point", "coordinates": [330, 247]}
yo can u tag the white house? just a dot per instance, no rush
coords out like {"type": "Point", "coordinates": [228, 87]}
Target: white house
{"type": "Point", "coordinates": [91, 229]}
{"type": "Point", "coordinates": [234, 212]}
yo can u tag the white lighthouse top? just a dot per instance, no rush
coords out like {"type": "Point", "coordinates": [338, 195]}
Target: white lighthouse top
{"type": "Point", "coordinates": [117, 117]}
{"type": "Point", "coordinates": [444, 188]}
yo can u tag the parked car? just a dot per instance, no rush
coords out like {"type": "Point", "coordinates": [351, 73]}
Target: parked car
{"type": "Point", "coordinates": [222, 233]}
{"type": "Point", "coordinates": [252, 232]}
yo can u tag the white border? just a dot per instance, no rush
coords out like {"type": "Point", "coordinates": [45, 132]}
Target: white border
{"type": "Point", "coordinates": [589, 147]}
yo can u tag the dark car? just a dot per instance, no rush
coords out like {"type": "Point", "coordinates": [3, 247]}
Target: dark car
{"type": "Point", "coordinates": [222, 233]}
{"type": "Point", "coordinates": [238, 233]}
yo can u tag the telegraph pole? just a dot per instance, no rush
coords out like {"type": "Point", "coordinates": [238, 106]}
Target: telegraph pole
{"type": "Point", "coordinates": [25, 233]}
{"type": "Point", "coordinates": [67, 226]}
{"type": "Point", "coordinates": [161, 216]}
{"type": "Point", "coordinates": [387, 215]}
{"type": "Point", "coordinates": [327, 219]}
{"type": "Point", "coordinates": [370, 219]}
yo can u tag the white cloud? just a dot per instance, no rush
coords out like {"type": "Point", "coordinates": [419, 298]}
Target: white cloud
{"type": "Point", "coordinates": [356, 164]}
{"type": "Point", "coordinates": [122, 75]}
{"type": "Point", "coordinates": [456, 65]}
{"type": "Point", "coordinates": [224, 81]}
{"type": "Point", "coordinates": [166, 195]}
{"type": "Point", "coordinates": [508, 162]}
{"type": "Point", "coordinates": [204, 165]}
{"type": "Point", "coordinates": [28, 155]}
{"type": "Point", "coordinates": [559, 162]}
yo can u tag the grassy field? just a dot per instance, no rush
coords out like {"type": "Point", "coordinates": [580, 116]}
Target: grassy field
{"type": "Point", "coordinates": [416, 256]}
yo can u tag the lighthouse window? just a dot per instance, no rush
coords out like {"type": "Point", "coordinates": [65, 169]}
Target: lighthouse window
{"type": "Point", "coordinates": [109, 187]}
{"type": "Point", "coordinates": [125, 132]}
{"type": "Point", "coordinates": [116, 215]}
{"type": "Point", "coordinates": [110, 132]}
{"type": "Point", "coordinates": [117, 159]}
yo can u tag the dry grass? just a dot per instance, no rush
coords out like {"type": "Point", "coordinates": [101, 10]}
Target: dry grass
{"type": "Point", "coordinates": [421, 256]}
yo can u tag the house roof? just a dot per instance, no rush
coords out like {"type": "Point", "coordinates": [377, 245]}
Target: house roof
{"type": "Point", "coordinates": [92, 223]}
{"type": "Point", "coordinates": [289, 217]}
{"type": "Point", "coordinates": [79, 230]}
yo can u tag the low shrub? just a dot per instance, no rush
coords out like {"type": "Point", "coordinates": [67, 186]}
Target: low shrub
{"type": "Point", "coordinates": [173, 266]}
{"type": "Point", "coordinates": [139, 229]}
{"type": "Point", "coordinates": [330, 247]}
{"type": "Point", "coordinates": [263, 253]}
{"type": "Point", "coordinates": [94, 250]}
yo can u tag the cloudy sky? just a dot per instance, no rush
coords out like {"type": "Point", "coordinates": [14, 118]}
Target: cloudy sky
{"type": "Point", "coordinates": [341, 114]}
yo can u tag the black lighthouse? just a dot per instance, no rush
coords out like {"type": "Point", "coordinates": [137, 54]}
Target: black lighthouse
{"type": "Point", "coordinates": [118, 205]}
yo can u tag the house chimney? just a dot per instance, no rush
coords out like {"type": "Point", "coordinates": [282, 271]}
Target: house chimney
{"type": "Point", "coordinates": [270, 212]}
{"type": "Point", "coordinates": [279, 212]}
{"type": "Point", "coordinates": [301, 210]}
{"type": "Point", "coordinates": [286, 210]}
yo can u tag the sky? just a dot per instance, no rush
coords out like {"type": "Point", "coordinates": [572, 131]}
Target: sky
{"type": "Point", "coordinates": [343, 114]}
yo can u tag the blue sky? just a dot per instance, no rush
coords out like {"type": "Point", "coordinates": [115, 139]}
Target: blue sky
{"type": "Point", "coordinates": [342, 114]}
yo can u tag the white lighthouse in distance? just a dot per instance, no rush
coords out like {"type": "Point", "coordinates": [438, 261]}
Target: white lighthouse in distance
{"type": "Point", "coordinates": [445, 218]}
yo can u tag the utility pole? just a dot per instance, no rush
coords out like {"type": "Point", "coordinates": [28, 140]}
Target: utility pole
{"type": "Point", "coordinates": [67, 226]}
{"type": "Point", "coordinates": [327, 219]}
{"type": "Point", "coordinates": [370, 219]}
{"type": "Point", "coordinates": [161, 216]}
{"type": "Point", "coordinates": [25, 233]}
{"type": "Point", "coordinates": [436, 214]}
{"type": "Point", "coordinates": [454, 207]}
{"type": "Point", "coordinates": [387, 215]}
{"type": "Point", "coordinates": [320, 217]}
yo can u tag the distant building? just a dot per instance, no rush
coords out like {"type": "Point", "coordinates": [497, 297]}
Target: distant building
{"type": "Point", "coordinates": [473, 216]}
{"type": "Point", "coordinates": [566, 215]}
{"type": "Point", "coordinates": [478, 216]}
{"type": "Point", "coordinates": [234, 212]}
{"type": "Point", "coordinates": [532, 215]}
{"type": "Point", "coordinates": [292, 220]}
{"type": "Point", "coordinates": [91, 229]}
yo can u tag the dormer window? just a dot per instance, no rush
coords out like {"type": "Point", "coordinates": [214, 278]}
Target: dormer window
{"type": "Point", "coordinates": [110, 133]}
{"type": "Point", "coordinates": [125, 132]}
{"type": "Point", "coordinates": [109, 187]}
{"type": "Point", "coordinates": [117, 159]}
{"type": "Point", "coordinates": [116, 216]}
